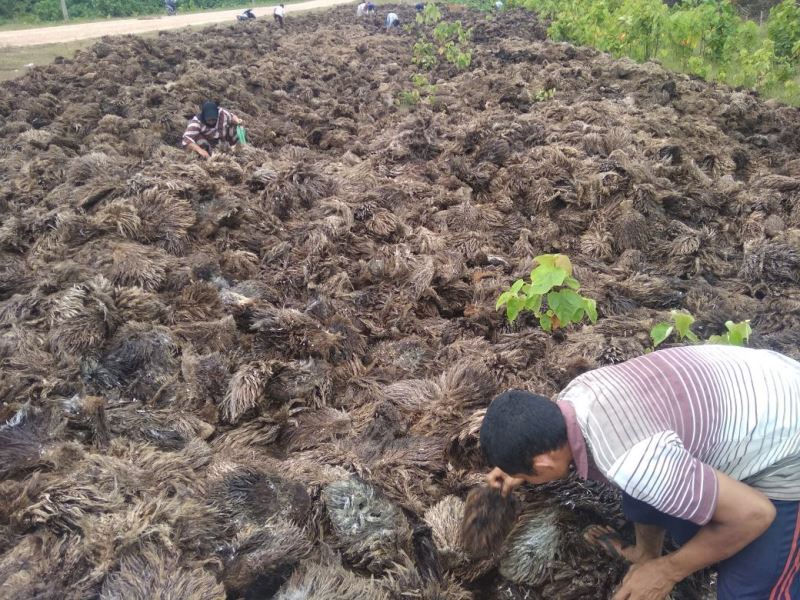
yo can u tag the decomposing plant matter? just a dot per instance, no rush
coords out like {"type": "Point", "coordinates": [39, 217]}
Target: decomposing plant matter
{"type": "Point", "coordinates": [488, 517]}
{"type": "Point", "coordinates": [265, 373]}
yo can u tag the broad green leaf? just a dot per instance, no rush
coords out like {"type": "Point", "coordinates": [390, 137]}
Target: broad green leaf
{"type": "Point", "coordinates": [692, 336]}
{"type": "Point", "coordinates": [544, 279]}
{"type": "Point", "coordinates": [546, 260]}
{"type": "Point", "coordinates": [562, 262]}
{"type": "Point", "coordinates": [534, 303]}
{"type": "Point", "coordinates": [683, 323]}
{"type": "Point", "coordinates": [591, 309]}
{"type": "Point", "coordinates": [566, 304]}
{"type": "Point", "coordinates": [719, 339]}
{"type": "Point", "coordinates": [659, 333]}
{"type": "Point", "coordinates": [503, 299]}
{"type": "Point", "coordinates": [513, 308]}
{"type": "Point", "coordinates": [526, 289]}
{"type": "Point", "coordinates": [571, 282]}
{"type": "Point", "coordinates": [738, 333]}
{"type": "Point", "coordinates": [517, 286]}
{"type": "Point", "coordinates": [546, 322]}
{"type": "Point", "coordinates": [553, 300]}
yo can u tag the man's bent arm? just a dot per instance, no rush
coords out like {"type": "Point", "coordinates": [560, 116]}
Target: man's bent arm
{"type": "Point", "coordinates": [649, 542]}
{"type": "Point", "coordinates": [742, 515]}
{"type": "Point", "coordinates": [196, 148]}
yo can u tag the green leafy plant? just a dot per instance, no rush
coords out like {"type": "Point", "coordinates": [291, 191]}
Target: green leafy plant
{"type": "Point", "coordinates": [423, 86]}
{"type": "Point", "coordinates": [430, 15]}
{"type": "Point", "coordinates": [419, 80]}
{"type": "Point", "coordinates": [783, 27]}
{"type": "Point", "coordinates": [453, 42]}
{"type": "Point", "coordinates": [551, 295]}
{"type": "Point", "coordinates": [456, 55]}
{"type": "Point", "coordinates": [409, 98]}
{"type": "Point", "coordinates": [681, 326]}
{"type": "Point", "coordinates": [544, 95]}
{"type": "Point", "coordinates": [424, 55]}
{"type": "Point", "coordinates": [445, 32]}
{"type": "Point", "coordinates": [703, 37]}
{"type": "Point", "coordinates": [738, 334]}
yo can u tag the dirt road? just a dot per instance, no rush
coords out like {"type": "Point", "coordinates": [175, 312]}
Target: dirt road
{"type": "Point", "coordinates": [83, 31]}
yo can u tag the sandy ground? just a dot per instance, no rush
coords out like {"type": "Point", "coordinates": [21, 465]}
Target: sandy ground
{"type": "Point", "coordinates": [82, 31]}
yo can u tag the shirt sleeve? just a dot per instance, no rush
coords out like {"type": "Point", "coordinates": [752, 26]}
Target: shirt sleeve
{"type": "Point", "coordinates": [192, 133]}
{"type": "Point", "coordinates": [660, 472]}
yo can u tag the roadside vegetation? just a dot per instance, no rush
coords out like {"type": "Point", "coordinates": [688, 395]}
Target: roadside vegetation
{"type": "Point", "coordinates": [706, 38]}
{"type": "Point", "coordinates": [49, 11]}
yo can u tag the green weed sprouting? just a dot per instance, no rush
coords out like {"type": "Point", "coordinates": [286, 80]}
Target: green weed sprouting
{"type": "Point", "coordinates": [551, 295]}
{"type": "Point", "coordinates": [680, 328]}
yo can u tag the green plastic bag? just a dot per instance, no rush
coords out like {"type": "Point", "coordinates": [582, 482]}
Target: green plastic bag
{"type": "Point", "coordinates": [241, 135]}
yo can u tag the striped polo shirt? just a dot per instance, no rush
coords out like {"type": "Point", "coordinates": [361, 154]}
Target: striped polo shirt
{"type": "Point", "coordinates": [198, 132]}
{"type": "Point", "coordinates": [658, 425]}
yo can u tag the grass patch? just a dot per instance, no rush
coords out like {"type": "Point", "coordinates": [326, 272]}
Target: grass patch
{"type": "Point", "coordinates": [13, 61]}
{"type": "Point", "coordinates": [34, 24]}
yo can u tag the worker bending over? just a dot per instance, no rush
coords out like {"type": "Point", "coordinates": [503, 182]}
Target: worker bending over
{"type": "Point", "coordinates": [703, 441]}
{"type": "Point", "coordinates": [207, 129]}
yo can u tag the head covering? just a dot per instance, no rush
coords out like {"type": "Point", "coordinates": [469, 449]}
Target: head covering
{"type": "Point", "coordinates": [208, 110]}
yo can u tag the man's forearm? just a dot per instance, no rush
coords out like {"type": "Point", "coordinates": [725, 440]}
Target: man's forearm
{"type": "Point", "coordinates": [649, 541]}
{"type": "Point", "coordinates": [713, 543]}
{"type": "Point", "coordinates": [196, 148]}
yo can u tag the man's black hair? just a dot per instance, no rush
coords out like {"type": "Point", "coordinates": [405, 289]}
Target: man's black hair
{"type": "Point", "coordinates": [518, 426]}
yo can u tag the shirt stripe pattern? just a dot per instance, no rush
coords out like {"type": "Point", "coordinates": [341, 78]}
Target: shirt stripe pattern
{"type": "Point", "coordinates": [658, 425]}
{"type": "Point", "coordinates": [198, 132]}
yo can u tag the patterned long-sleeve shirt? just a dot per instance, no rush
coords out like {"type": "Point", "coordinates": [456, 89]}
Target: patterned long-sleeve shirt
{"type": "Point", "coordinates": [197, 132]}
{"type": "Point", "coordinates": [658, 425]}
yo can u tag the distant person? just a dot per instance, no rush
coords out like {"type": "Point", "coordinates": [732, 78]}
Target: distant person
{"type": "Point", "coordinates": [361, 10]}
{"type": "Point", "coordinates": [246, 15]}
{"type": "Point", "coordinates": [279, 13]}
{"type": "Point", "coordinates": [171, 6]}
{"type": "Point", "coordinates": [370, 8]}
{"type": "Point", "coordinates": [392, 21]}
{"type": "Point", "coordinates": [419, 6]}
{"type": "Point", "coordinates": [498, 5]}
{"type": "Point", "coordinates": [210, 127]}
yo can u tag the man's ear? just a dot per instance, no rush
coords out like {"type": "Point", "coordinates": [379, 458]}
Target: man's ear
{"type": "Point", "coordinates": [543, 462]}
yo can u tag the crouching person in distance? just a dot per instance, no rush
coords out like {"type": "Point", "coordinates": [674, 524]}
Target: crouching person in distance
{"type": "Point", "coordinates": [704, 443]}
{"type": "Point", "coordinates": [392, 22]}
{"type": "Point", "coordinates": [207, 129]}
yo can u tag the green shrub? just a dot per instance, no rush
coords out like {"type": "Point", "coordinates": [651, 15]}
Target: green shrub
{"type": "Point", "coordinates": [552, 295]}
{"type": "Point", "coordinates": [47, 10]}
{"type": "Point", "coordinates": [430, 15]}
{"type": "Point", "coordinates": [424, 55]}
{"type": "Point", "coordinates": [409, 98]}
{"type": "Point", "coordinates": [703, 37]}
{"type": "Point", "coordinates": [783, 28]}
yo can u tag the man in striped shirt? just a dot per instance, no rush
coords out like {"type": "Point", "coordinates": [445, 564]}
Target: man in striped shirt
{"type": "Point", "coordinates": [703, 441]}
{"type": "Point", "coordinates": [209, 128]}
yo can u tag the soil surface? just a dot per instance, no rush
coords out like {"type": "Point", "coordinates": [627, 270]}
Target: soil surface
{"type": "Point", "coordinates": [82, 31]}
{"type": "Point", "coordinates": [264, 374]}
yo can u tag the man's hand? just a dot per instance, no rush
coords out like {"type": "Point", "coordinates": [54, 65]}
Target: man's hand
{"type": "Point", "coordinates": [646, 581]}
{"type": "Point", "coordinates": [500, 480]}
{"type": "Point", "coordinates": [199, 150]}
{"type": "Point", "coordinates": [741, 515]}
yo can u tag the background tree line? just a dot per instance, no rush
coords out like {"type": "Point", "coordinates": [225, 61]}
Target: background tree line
{"type": "Point", "coordinates": [50, 10]}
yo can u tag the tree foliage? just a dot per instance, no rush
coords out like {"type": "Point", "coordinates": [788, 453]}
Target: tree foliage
{"type": "Point", "coordinates": [703, 37]}
{"type": "Point", "coordinates": [50, 10]}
